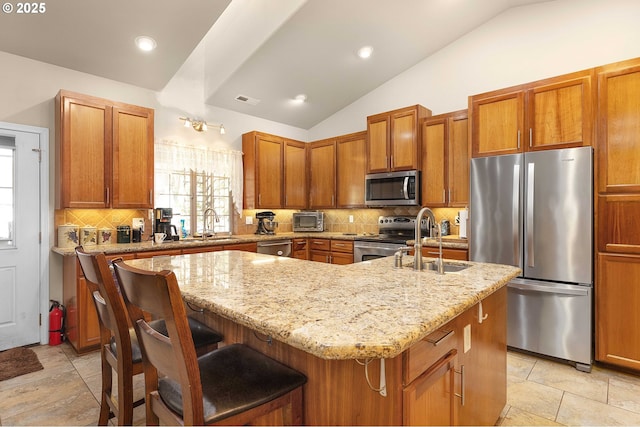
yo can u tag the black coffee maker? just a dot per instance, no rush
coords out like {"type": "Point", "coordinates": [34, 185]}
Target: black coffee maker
{"type": "Point", "coordinates": [266, 223]}
{"type": "Point", "coordinates": [162, 223]}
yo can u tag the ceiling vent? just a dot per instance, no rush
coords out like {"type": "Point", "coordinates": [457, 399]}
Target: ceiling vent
{"type": "Point", "coordinates": [247, 100]}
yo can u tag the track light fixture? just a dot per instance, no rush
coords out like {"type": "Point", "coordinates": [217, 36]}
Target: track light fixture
{"type": "Point", "coordinates": [201, 125]}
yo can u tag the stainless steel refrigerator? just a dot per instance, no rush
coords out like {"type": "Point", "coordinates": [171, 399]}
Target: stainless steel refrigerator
{"type": "Point", "coordinates": [535, 211]}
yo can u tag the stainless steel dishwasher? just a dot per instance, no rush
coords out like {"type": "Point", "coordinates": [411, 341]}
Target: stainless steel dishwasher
{"type": "Point", "coordinates": [275, 247]}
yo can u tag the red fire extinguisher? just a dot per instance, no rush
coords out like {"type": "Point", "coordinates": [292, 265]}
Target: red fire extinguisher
{"type": "Point", "coordinates": [56, 323]}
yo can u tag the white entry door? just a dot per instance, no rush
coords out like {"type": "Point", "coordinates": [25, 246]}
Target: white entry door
{"type": "Point", "coordinates": [20, 235]}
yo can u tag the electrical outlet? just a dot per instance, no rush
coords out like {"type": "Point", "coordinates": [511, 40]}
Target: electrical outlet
{"type": "Point", "coordinates": [248, 220]}
{"type": "Point", "coordinates": [467, 338]}
{"type": "Point", "coordinates": [350, 218]}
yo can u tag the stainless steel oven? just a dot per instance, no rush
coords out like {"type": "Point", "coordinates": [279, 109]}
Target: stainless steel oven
{"type": "Point", "coordinates": [394, 231]}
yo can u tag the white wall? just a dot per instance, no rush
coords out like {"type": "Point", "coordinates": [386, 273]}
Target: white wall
{"type": "Point", "coordinates": [523, 44]}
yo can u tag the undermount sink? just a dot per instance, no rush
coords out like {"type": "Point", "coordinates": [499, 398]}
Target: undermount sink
{"type": "Point", "coordinates": [449, 267]}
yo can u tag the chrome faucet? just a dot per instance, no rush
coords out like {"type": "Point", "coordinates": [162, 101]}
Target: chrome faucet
{"type": "Point", "coordinates": [417, 247]}
{"type": "Point", "coordinates": [206, 215]}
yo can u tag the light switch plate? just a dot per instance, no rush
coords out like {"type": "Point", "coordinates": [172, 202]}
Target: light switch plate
{"type": "Point", "coordinates": [248, 220]}
{"type": "Point", "coordinates": [467, 338]}
{"type": "Point", "coordinates": [137, 223]}
{"type": "Point", "coordinates": [350, 218]}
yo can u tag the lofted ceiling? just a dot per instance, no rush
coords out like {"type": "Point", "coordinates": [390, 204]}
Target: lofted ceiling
{"type": "Point", "coordinates": [267, 50]}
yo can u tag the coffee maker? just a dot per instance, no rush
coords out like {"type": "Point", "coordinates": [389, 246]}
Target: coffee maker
{"type": "Point", "coordinates": [162, 223]}
{"type": "Point", "coordinates": [266, 223]}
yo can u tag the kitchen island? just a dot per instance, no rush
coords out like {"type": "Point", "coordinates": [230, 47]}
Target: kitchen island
{"type": "Point", "coordinates": [353, 329]}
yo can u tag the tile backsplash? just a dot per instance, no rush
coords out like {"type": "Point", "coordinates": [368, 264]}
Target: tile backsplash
{"type": "Point", "coordinates": [336, 220]}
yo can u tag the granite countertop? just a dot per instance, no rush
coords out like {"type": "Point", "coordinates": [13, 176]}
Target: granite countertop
{"type": "Point", "coordinates": [447, 242]}
{"type": "Point", "coordinates": [362, 310]}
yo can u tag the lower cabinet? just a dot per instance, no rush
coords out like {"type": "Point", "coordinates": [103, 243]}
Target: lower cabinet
{"type": "Point", "coordinates": [331, 251]}
{"type": "Point", "coordinates": [450, 380]}
{"type": "Point", "coordinates": [618, 310]}
{"type": "Point", "coordinates": [81, 322]}
{"type": "Point", "coordinates": [483, 363]}
{"type": "Point", "coordinates": [300, 249]}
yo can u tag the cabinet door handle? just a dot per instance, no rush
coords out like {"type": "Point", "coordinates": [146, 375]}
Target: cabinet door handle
{"type": "Point", "coordinates": [518, 139]}
{"type": "Point", "coordinates": [481, 316]}
{"type": "Point", "coordinates": [530, 137]}
{"type": "Point", "coordinates": [442, 338]}
{"type": "Point", "coordinates": [151, 197]}
{"type": "Point", "coordinates": [107, 194]}
{"type": "Point", "coordinates": [444, 195]}
{"type": "Point", "coordinates": [461, 395]}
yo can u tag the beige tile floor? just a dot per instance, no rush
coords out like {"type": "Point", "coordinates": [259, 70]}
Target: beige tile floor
{"type": "Point", "coordinates": [539, 392]}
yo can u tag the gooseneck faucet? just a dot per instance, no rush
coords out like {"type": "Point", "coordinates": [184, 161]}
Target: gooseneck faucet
{"type": "Point", "coordinates": [417, 246]}
{"type": "Point", "coordinates": [206, 215]}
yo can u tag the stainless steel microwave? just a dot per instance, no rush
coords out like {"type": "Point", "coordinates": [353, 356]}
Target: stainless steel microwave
{"type": "Point", "coordinates": [308, 221]}
{"type": "Point", "coordinates": [393, 188]}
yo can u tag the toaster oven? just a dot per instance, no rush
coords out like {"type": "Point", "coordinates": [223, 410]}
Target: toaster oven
{"type": "Point", "coordinates": [308, 221]}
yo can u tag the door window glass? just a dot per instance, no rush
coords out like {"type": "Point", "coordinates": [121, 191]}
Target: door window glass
{"type": "Point", "coordinates": [7, 191]}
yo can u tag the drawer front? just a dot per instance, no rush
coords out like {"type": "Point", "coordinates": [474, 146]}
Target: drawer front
{"type": "Point", "coordinates": [320, 244]}
{"type": "Point", "coordinates": [341, 246]}
{"type": "Point", "coordinates": [426, 352]}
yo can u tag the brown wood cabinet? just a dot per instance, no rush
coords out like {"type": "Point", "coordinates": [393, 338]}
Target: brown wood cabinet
{"type": "Point", "coordinates": [617, 180]}
{"type": "Point", "coordinates": [445, 160]}
{"type": "Point", "coordinates": [322, 174]}
{"type": "Point", "coordinates": [393, 139]}
{"type": "Point", "coordinates": [300, 249]}
{"type": "Point", "coordinates": [429, 370]}
{"type": "Point", "coordinates": [274, 172]}
{"type": "Point", "coordinates": [618, 310]}
{"type": "Point", "coordinates": [331, 251]}
{"type": "Point", "coordinates": [104, 153]}
{"type": "Point", "coordinates": [351, 167]}
{"type": "Point", "coordinates": [81, 323]}
{"type": "Point", "coordinates": [295, 175]}
{"type": "Point", "coordinates": [484, 363]}
{"type": "Point", "coordinates": [447, 253]}
{"type": "Point", "coordinates": [547, 114]}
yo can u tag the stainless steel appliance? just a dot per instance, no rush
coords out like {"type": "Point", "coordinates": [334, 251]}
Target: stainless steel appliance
{"type": "Point", "coordinates": [392, 189]}
{"type": "Point", "coordinates": [266, 223]}
{"type": "Point", "coordinates": [535, 211]}
{"type": "Point", "coordinates": [393, 233]}
{"type": "Point", "coordinates": [308, 221]}
{"type": "Point", "coordinates": [275, 247]}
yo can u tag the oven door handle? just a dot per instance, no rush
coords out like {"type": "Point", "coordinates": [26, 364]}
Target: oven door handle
{"type": "Point", "coordinates": [384, 248]}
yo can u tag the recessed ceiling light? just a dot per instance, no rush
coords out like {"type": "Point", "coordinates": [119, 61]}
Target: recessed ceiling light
{"type": "Point", "coordinates": [300, 98]}
{"type": "Point", "coordinates": [365, 52]}
{"type": "Point", "coordinates": [145, 43]}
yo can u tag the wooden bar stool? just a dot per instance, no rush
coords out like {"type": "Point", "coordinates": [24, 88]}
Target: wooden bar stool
{"type": "Point", "coordinates": [119, 348]}
{"type": "Point", "coordinates": [231, 385]}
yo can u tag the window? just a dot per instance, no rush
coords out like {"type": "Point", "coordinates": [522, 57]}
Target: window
{"type": "Point", "coordinates": [192, 180]}
{"type": "Point", "coordinates": [7, 190]}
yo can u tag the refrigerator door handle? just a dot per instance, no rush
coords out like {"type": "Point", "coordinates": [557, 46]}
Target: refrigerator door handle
{"type": "Point", "coordinates": [530, 199]}
{"type": "Point", "coordinates": [549, 289]}
{"type": "Point", "coordinates": [515, 214]}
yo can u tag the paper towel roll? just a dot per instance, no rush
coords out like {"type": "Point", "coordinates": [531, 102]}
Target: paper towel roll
{"type": "Point", "coordinates": [464, 220]}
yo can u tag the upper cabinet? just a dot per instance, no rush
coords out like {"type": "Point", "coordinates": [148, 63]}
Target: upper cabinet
{"type": "Point", "coordinates": [351, 167]}
{"type": "Point", "coordinates": [548, 114]}
{"type": "Point", "coordinates": [295, 174]}
{"type": "Point", "coordinates": [104, 153]}
{"type": "Point", "coordinates": [619, 127]}
{"type": "Point", "coordinates": [393, 142]}
{"type": "Point", "coordinates": [274, 172]}
{"type": "Point", "coordinates": [322, 174]}
{"type": "Point", "coordinates": [445, 161]}
{"type": "Point", "coordinates": [337, 167]}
